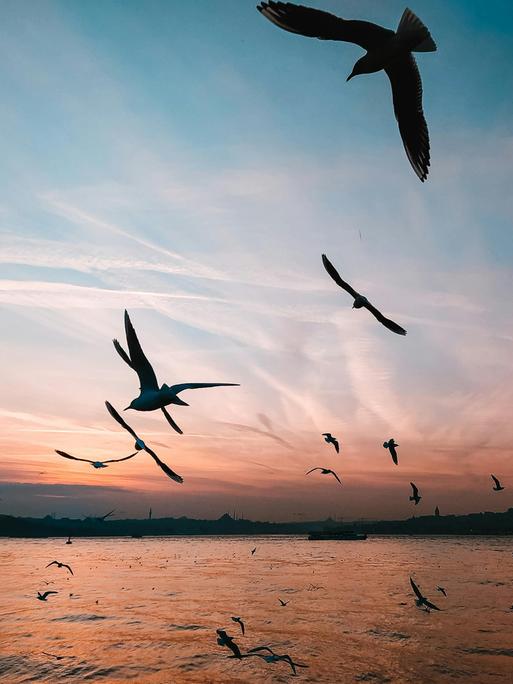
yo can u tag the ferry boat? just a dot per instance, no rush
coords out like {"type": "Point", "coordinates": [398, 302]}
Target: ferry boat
{"type": "Point", "coordinates": [339, 535]}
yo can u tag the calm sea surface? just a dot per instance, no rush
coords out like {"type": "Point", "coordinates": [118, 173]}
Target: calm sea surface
{"type": "Point", "coordinates": [146, 610]}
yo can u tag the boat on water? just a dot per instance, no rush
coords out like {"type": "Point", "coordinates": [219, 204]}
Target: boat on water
{"type": "Point", "coordinates": [339, 535]}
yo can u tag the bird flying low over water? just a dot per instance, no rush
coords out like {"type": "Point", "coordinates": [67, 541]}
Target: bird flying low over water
{"type": "Point", "coordinates": [329, 439]}
{"type": "Point", "coordinates": [152, 397]}
{"type": "Point", "coordinates": [415, 494]}
{"type": "Point", "coordinates": [273, 657]}
{"type": "Point", "coordinates": [140, 445]}
{"type": "Point", "coordinates": [387, 50]}
{"type": "Point", "coordinates": [224, 639]}
{"type": "Point", "coordinates": [43, 597]}
{"type": "Point", "coordinates": [60, 565]}
{"type": "Point", "coordinates": [421, 601]}
{"type": "Point", "coordinates": [359, 300]}
{"type": "Point", "coordinates": [326, 471]}
{"type": "Point", "coordinates": [441, 590]}
{"type": "Point", "coordinates": [282, 602]}
{"type": "Point", "coordinates": [95, 464]}
{"type": "Point", "coordinates": [391, 446]}
{"type": "Point", "coordinates": [238, 620]}
{"type": "Point", "coordinates": [498, 487]}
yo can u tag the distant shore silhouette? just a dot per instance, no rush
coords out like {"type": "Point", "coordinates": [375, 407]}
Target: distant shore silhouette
{"type": "Point", "coordinates": [472, 524]}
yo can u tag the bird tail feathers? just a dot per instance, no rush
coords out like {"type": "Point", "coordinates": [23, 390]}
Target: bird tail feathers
{"type": "Point", "coordinates": [411, 29]}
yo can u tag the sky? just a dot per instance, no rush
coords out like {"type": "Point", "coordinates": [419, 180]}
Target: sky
{"type": "Point", "coordinates": [190, 162]}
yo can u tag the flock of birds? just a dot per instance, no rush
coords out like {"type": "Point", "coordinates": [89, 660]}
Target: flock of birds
{"type": "Point", "coordinates": [387, 50]}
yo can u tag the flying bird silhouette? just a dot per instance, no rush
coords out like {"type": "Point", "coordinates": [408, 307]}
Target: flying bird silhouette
{"type": "Point", "coordinates": [60, 565]}
{"type": "Point", "coordinates": [325, 471]}
{"type": "Point", "coordinates": [240, 623]}
{"type": "Point", "coordinates": [152, 397]}
{"type": "Point", "coordinates": [498, 487]}
{"type": "Point", "coordinates": [43, 597]}
{"type": "Point", "coordinates": [95, 464]}
{"type": "Point", "coordinates": [69, 540]}
{"type": "Point", "coordinates": [282, 602]}
{"type": "Point", "coordinates": [140, 445]}
{"type": "Point", "coordinates": [224, 639]}
{"type": "Point", "coordinates": [273, 657]}
{"type": "Point", "coordinates": [329, 439]}
{"type": "Point", "coordinates": [359, 300]}
{"type": "Point", "coordinates": [441, 590]}
{"type": "Point", "coordinates": [421, 600]}
{"type": "Point", "coordinates": [253, 551]}
{"type": "Point", "coordinates": [391, 446]}
{"type": "Point", "coordinates": [415, 494]}
{"type": "Point", "coordinates": [387, 50]}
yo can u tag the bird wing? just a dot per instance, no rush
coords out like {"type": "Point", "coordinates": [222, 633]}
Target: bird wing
{"type": "Point", "coordinates": [242, 627]}
{"type": "Point", "coordinates": [52, 563]}
{"type": "Point", "coordinates": [67, 566]}
{"type": "Point", "coordinates": [199, 385]}
{"type": "Point", "coordinates": [311, 471]}
{"type": "Point", "coordinates": [122, 353]}
{"type": "Point", "coordinates": [73, 458]}
{"type": "Point", "coordinates": [139, 362]}
{"type": "Point", "coordinates": [336, 445]}
{"type": "Point", "coordinates": [415, 490]}
{"type": "Point", "coordinates": [335, 476]}
{"type": "Point", "coordinates": [393, 453]}
{"type": "Point", "coordinates": [170, 473]}
{"type": "Point", "coordinates": [47, 593]}
{"type": "Point", "coordinates": [261, 648]}
{"type": "Point", "coordinates": [394, 327]}
{"type": "Point", "coordinates": [117, 460]}
{"type": "Point", "coordinates": [171, 422]}
{"type": "Point", "coordinates": [428, 604]}
{"type": "Point", "coordinates": [120, 420]}
{"type": "Point", "coordinates": [315, 23]}
{"type": "Point", "coordinates": [332, 271]}
{"type": "Point", "coordinates": [495, 480]}
{"type": "Point", "coordinates": [416, 590]}
{"type": "Point", "coordinates": [407, 97]}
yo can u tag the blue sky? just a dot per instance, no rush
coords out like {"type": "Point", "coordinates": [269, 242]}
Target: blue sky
{"type": "Point", "coordinates": [190, 161]}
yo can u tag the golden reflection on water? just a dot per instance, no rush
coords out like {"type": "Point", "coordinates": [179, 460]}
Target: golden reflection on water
{"type": "Point", "coordinates": [146, 610]}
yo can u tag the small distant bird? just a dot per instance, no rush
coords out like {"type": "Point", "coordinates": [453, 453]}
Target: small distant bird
{"type": "Point", "coordinates": [253, 551]}
{"type": "Point", "coordinates": [415, 494]}
{"type": "Point", "coordinates": [437, 512]}
{"type": "Point", "coordinates": [283, 603]}
{"type": "Point", "coordinates": [43, 597]}
{"type": "Point", "coordinates": [69, 541]}
{"type": "Point", "coordinates": [224, 639]}
{"type": "Point", "coordinates": [273, 657]}
{"type": "Point", "coordinates": [52, 655]}
{"type": "Point", "coordinates": [387, 50]}
{"type": "Point", "coordinates": [152, 397]}
{"type": "Point", "coordinates": [241, 624]}
{"type": "Point", "coordinates": [391, 446]}
{"type": "Point", "coordinates": [326, 471]}
{"type": "Point", "coordinates": [359, 300]}
{"type": "Point", "coordinates": [60, 565]}
{"type": "Point", "coordinates": [498, 487]}
{"type": "Point", "coordinates": [95, 464]}
{"type": "Point", "coordinates": [421, 601]}
{"type": "Point", "coordinates": [139, 444]}
{"type": "Point", "coordinates": [329, 439]}
{"type": "Point", "coordinates": [441, 590]}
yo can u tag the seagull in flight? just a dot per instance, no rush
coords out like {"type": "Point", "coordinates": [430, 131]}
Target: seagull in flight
{"type": "Point", "coordinates": [385, 49]}
{"type": "Point", "coordinates": [283, 603]}
{"type": "Point", "coordinates": [441, 590]}
{"type": "Point", "coordinates": [152, 397]}
{"type": "Point", "coordinates": [359, 300]}
{"type": "Point", "coordinates": [60, 565]}
{"type": "Point", "coordinates": [421, 601]}
{"type": "Point", "coordinates": [95, 464]}
{"type": "Point", "coordinates": [253, 551]}
{"type": "Point", "coordinates": [415, 494]}
{"type": "Point", "coordinates": [329, 439]}
{"type": "Point", "coordinates": [140, 445]}
{"type": "Point", "coordinates": [498, 487]}
{"type": "Point", "coordinates": [43, 597]}
{"type": "Point", "coordinates": [273, 657]}
{"type": "Point", "coordinates": [224, 639]}
{"type": "Point", "coordinates": [240, 623]}
{"type": "Point", "coordinates": [326, 471]}
{"type": "Point", "coordinates": [391, 445]}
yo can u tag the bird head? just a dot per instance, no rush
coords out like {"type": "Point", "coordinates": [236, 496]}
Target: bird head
{"type": "Point", "coordinates": [130, 405]}
{"type": "Point", "coordinates": [362, 66]}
